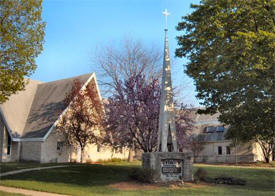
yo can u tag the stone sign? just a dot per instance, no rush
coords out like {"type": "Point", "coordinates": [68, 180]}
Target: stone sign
{"type": "Point", "coordinates": [171, 166]}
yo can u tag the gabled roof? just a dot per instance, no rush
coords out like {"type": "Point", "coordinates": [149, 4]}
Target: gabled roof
{"type": "Point", "coordinates": [15, 111]}
{"type": "Point", "coordinates": [44, 107]}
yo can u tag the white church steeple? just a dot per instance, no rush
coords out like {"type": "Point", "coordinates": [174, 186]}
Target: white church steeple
{"type": "Point", "coordinates": [167, 141]}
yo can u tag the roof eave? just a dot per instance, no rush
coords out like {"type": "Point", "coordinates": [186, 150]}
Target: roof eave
{"type": "Point", "coordinates": [28, 139]}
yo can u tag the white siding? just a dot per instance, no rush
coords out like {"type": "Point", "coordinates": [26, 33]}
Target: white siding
{"type": "Point", "coordinates": [31, 151]}
{"type": "Point", "coordinates": [49, 152]}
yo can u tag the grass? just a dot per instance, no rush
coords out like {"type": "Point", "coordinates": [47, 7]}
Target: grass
{"type": "Point", "coordinates": [263, 164]}
{"type": "Point", "coordinates": [95, 179]}
{"type": "Point", "coordinates": [258, 179]}
{"type": "Point", "coordinates": [6, 167]}
{"type": "Point", "coordinates": [255, 165]}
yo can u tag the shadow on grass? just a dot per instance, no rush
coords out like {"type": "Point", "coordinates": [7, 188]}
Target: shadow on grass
{"type": "Point", "coordinates": [94, 180]}
{"type": "Point", "coordinates": [13, 166]}
{"type": "Point", "coordinates": [256, 178]}
{"type": "Point", "coordinates": [81, 175]}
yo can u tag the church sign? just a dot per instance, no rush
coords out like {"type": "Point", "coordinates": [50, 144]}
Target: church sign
{"type": "Point", "coordinates": [171, 166]}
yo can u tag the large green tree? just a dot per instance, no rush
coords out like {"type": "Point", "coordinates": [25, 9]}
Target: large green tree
{"type": "Point", "coordinates": [21, 39]}
{"type": "Point", "coordinates": [230, 47]}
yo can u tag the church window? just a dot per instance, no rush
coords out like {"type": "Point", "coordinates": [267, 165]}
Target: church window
{"type": "Point", "coordinates": [9, 145]}
{"type": "Point", "coordinates": [210, 129]}
{"type": "Point", "coordinates": [219, 150]}
{"type": "Point", "coordinates": [59, 146]}
{"type": "Point", "coordinates": [220, 129]}
{"type": "Point", "coordinates": [228, 150]}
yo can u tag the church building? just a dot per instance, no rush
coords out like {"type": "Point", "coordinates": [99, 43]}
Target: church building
{"type": "Point", "coordinates": [28, 125]}
{"type": "Point", "coordinates": [210, 132]}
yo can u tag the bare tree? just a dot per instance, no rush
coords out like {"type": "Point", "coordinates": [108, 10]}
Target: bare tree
{"type": "Point", "coordinates": [83, 118]}
{"type": "Point", "coordinates": [196, 144]}
{"type": "Point", "coordinates": [127, 60]}
{"type": "Point", "coordinates": [118, 62]}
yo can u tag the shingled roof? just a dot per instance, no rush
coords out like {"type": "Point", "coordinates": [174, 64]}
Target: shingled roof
{"type": "Point", "coordinates": [213, 137]}
{"type": "Point", "coordinates": [31, 113]}
{"type": "Point", "coordinates": [205, 120]}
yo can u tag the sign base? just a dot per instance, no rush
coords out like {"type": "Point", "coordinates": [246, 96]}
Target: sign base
{"type": "Point", "coordinates": [169, 166]}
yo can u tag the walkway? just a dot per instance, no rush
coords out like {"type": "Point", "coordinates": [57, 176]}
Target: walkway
{"type": "Point", "coordinates": [30, 169]}
{"type": "Point", "coordinates": [27, 192]}
{"type": "Point", "coordinates": [24, 191]}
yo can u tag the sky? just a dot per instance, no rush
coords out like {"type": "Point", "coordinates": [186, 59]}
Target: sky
{"type": "Point", "coordinates": [76, 28]}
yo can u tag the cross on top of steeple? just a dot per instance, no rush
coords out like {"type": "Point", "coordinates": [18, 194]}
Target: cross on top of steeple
{"type": "Point", "coordinates": [166, 14]}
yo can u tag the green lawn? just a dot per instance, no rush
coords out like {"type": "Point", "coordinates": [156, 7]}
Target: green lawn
{"type": "Point", "coordinates": [258, 164]}
{"type": "Point", "coordinates": [82, 180]}
{"type": "Point", "coordinates": [6, 167]}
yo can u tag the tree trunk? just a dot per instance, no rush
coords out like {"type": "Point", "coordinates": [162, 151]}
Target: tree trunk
{"type": "Point", "coordinates": [273, 154]}
{"type": "Point", "coordinates": [236, 161]}
{"type": "Point", "coordinates": [131, 154]}
{"type": "Point", "coordinates": [82, 156]}
{"type": "Point", "coordinates": [266, 149]}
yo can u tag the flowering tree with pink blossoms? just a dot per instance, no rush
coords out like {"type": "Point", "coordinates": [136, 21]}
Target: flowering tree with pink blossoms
{"type": "Point", "coordinates": [132, 115]}
{"type": "Point", "coordinates": [184, 126]}
{"type": "Point", "coordinates": [83, 118]}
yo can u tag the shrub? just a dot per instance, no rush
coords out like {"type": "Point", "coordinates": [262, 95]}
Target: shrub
{"type": "Point", "coordinates": [73, 161]}
{"type": "Point", "coordinates": [143, 175]}
{"type": "Point", "coordinates": [100, 160]}
{"type": "Point", "coordinates": [89, 161]}
{"type": "Point", "coordinates": [109, 160]}
{"type": "Point", "coordinates": [116, 160]}
{"type": "Point", "coordinates": [229, 180]}
{"type": "Point", "coordinates": [200, 175]}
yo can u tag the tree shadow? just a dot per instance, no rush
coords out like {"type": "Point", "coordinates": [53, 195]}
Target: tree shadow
{"type": "Point", "coordinates": [88, 178]}
{"type": "Point", "coordinates": [81, 175]}
{"type": "Point", "coordinates": [41, 119]}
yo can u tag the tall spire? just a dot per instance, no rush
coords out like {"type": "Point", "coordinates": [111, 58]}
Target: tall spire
{"type": "Point", "coordinates": [167, 129]}
{"type": "Point", "coordinates": [166, 14]}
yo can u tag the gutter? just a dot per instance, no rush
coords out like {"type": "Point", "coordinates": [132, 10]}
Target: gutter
{"type": "Point", "coordinates": [27, 140]}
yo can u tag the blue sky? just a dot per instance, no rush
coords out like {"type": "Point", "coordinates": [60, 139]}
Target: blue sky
{"type": "Point", "coordinates": [75, 28]}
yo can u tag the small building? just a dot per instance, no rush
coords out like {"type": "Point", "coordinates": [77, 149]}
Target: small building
{"type": "Point", "coordinates": [28, 125]}
{"type": "Point", "coordinates": [216, 148]}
